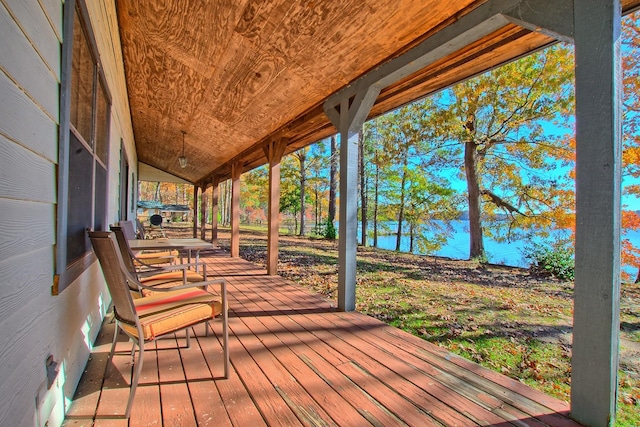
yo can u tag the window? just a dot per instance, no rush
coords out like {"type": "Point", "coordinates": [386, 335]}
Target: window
{"type": "Point", "coordinates": [124, 183]}
{"type": "Point", "coordinates": [84, 149]}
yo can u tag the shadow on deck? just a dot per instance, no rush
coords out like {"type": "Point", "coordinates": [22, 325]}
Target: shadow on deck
{"type": "Point", "coordinates": [297, 361]}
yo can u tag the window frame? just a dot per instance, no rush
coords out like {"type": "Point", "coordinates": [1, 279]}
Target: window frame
{"type": "Point", "coordinates": [66, 272]}
{"type": "Point", "coordinates": [124, 207]}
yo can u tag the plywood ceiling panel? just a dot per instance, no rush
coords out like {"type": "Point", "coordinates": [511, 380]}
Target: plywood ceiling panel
{"type": "Point", "coordinates": [233, 73]}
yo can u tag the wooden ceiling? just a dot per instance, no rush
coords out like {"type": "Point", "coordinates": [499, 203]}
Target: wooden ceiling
{"type": "Point", "coordinates": [235, 73]}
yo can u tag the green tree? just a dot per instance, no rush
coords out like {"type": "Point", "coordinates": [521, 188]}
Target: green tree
{"type": "Point", "coordinates": [431, 205]}
{"type": "Point", "coordinates": [496, 123]}
{"type": "Point", "coordinates": [290, 188]}
{"type": "Point", "coordinates": [301, 156]}
{"type": "Point", "coordinates": [362, 171]}
{"type": "Point", "coordinates": [318, 182]}
{"type": "Point", "coordinates": [333, 180]}
{"type": "Point", "coordinates": [401, 131]}
{"type": "Point", "coordinates": [413, 186]}
{"type": "Point", "coordinates": [254, 194]}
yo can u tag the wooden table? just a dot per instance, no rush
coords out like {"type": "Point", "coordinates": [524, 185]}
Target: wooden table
{"type": "Point", "coordinates": [179, 244]}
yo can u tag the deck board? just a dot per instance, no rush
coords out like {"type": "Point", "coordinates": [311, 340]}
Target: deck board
{"type": "Point", "coordinates": [296, 360]}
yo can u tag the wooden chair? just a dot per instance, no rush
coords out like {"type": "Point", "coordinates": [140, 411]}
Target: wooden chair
{"type": "Point", "coordinates": [129, 230]}
{"type": "Point", "coordinates": [152, 276]}
{"type": "Point", "coordinates": [147, 257]}
{"type": "Point", "coordinates": [141, 232]}
{"type": "Point", "coordinates": [145, 319]}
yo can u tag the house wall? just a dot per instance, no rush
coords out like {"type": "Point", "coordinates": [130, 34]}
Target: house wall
{"type": "Point", "coordinates": [33, 323]}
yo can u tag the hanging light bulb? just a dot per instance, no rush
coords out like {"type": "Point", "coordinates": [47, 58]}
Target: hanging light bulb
{"type": "Point", "coordinates": [182, 159]}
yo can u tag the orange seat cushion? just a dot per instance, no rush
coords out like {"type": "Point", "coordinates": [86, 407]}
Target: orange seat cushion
{"type": "Point", "coordinates": [166, 312]}
{"type": "Point", "coordinates": [165, 257]}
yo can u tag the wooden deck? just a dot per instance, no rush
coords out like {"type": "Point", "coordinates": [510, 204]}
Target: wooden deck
{"type": "Point", "coordinates": [297, 361]}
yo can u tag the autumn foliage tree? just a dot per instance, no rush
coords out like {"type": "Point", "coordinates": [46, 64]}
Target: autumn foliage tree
{"type": "Point", "coordinates": [630, 134]}
{"type": "Point", "coordinates": [496, 127]}
{"type": "Point", "coordinates": [166, 192]}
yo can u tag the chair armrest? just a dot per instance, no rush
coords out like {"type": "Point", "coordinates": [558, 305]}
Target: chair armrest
{"type": "Point", "coordinates": [155, 269]}
{"type": "Point", "coordinates": [201, 285]}
{"type": "Point", "coordinates": [157, 261]}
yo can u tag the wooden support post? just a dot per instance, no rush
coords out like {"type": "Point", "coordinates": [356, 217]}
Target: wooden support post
{"type": "Point", "coordinates": [274, 152]}
{"type": "Point", "coordinates": [348, 117]}
{"type": "Point", "coordinates": [236, 171]}
{"type": "Point", "coordinates": [203, 210]}
{"type": "Point", "coordinates": [195, 211]}
{"type": "Point", "coordinates": [215, 199]}
{"type": "Point", "coordinates": [594, 363]}
{"type": "Point", "coordinates": [594, 26]}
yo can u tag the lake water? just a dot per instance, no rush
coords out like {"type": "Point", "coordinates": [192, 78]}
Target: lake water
{"type": "Point", "coordinates": [507, 253]}
{"type": "Point", "coordinates": [457, 247]}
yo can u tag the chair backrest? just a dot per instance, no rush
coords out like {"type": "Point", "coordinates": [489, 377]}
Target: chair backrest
{"type": "Point", "coordinates": [128, 229]}
{"type": "Point", "coordinates": [155, 220]}
{"type": "Point", "coordinates": [124, 247]}
{"type": "Point", "coordinates": [142, 233]}
{"type": "Point", "coordinates": [115, 273]}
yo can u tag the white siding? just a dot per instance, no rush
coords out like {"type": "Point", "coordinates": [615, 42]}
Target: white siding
{"type": "Point", "coordinates": [33, 323]}
{"type": "Point", "coordinates": [25, 66]}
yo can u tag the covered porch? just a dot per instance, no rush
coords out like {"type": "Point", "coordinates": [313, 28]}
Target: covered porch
{"type": "Point", "coordinates": [93, 91]}
{"type": "Point", "coordinates": [296, 360]}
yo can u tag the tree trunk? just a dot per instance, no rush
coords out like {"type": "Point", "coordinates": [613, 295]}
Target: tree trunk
{"type": "Point", "coordinates": [222, 207]}
{"type": "Point", "coordinates": [225, 210]}
{"type": "Point", "coordinates": [158, 194]}
{"type": "Point", "coordinates": [316, 207]}
{"type": "Point", "coordinates": [376, 187]}
{"type": "Point", "coordinates": [476, 245]}
{"type": "Point", "coordinates": [363, 189]}
{"type": "Point", "coordinates": [302, 156]}
{"type": "Point", "coordinates": [411, 237]}
{"type": "Point", "coordinates": [203, 213]}
{"type": "Point", "coordinates": [333, 172]}
{"type": "Point", "coordinates": [229, 195]}
{"type": "Point", "coordinates": [400, 217]}
{"type": "Point", "coordinates": [405, 161]}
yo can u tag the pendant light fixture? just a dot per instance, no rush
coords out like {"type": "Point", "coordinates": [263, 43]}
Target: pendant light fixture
{"type": "Point", "coordinates": [182, 159]}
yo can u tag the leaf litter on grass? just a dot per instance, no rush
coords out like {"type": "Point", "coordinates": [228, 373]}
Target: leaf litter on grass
{"type": "Point", "coordinates": [501, 317]}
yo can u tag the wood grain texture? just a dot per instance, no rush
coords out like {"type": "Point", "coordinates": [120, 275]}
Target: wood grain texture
{"type": "Point", "coordinates": [234, 74]}
{"type": "Point", "coordinates": [296, 361]}
{"type": "Point", "coordinates": [88, 392]}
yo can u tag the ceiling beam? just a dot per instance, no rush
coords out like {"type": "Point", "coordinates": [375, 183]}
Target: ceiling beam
{"type": "Point", "coordinates": [551, 17]}
{"type": "Point", "coordinates": [471, 27]}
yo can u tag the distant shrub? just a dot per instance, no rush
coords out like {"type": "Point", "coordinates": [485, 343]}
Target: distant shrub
{"type": "Point", "coordinates": [330, 231]}
{"type": "Point", "coordinates": [552, 260]}
{"type": "Point", "coordinates": [481, 259]}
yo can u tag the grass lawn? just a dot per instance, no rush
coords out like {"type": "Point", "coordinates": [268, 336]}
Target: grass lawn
{"type": "Point", "coordinates": [500, 317]}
